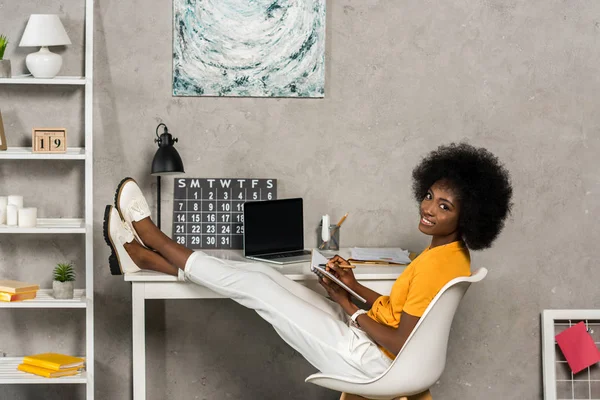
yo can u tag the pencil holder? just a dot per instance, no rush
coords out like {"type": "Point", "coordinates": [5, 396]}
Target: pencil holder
{"type": "Point", "coordinates": [334, 238]}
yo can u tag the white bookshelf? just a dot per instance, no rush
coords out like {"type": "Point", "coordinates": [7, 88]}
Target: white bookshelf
{"type": "Point", "coordinates": [44, 299]}
{"type": "Point", "coordinates": [30, 80]}
{"type": "Point", "coordinates": [9, 375]}
{"type": "Point", "coordinates": [25, 153]}
{"type": "Point", "coordinates": [84, 298]}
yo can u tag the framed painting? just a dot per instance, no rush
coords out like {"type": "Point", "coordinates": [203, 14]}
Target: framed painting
{"type": "Point", "coordinates": [258, 48]}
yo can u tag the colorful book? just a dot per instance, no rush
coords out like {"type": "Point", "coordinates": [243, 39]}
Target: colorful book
{"type": "Point", "coordinates": [53, 361]}
{"type": "Point", "coordinates": [578, 347]}
{"type": "Point", "coordinates": [9, 297]}
{"type": "Point", "coordinates": [48, 373]}
{"type": "Point", "coordinates": [13, 287]}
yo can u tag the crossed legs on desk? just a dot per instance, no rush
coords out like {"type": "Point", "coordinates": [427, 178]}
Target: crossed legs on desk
{"type": "Point", "coordinates": [314, 326]}
{"type": "Point", "coordinates": [426, 395]}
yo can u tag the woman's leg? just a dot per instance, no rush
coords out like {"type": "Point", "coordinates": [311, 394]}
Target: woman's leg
{"type": "Point", "coordinates": [327, 342]}
{"type": "Point", "coordinates": [149, 259]}
{"type": "Point", "coordinates": [322, 336]}
{"type": "Point", "coordinates": [154, 238]}
{"type": "Point", "coordinates": [178, 255]}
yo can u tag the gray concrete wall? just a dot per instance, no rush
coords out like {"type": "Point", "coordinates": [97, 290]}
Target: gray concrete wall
{"type": "Point", "coordinates": [518, 77]}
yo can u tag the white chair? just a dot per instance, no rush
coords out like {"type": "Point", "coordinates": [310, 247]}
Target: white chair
{"type": "Point", "coordinates": [422, 359]}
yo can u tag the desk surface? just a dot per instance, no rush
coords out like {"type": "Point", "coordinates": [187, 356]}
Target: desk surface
{"type": "Point", "coordinates": [299, 271]}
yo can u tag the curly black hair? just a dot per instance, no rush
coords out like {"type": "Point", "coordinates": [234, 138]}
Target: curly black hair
{"type": "Point", "coordinates": [481, 183]}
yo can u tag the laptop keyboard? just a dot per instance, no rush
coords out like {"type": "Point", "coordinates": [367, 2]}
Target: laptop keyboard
{"type": "Point", "coordinates": [286, 255]}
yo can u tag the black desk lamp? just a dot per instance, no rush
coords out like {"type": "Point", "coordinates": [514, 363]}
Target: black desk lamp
{"type": "Point", "coordinates": [166, 162]}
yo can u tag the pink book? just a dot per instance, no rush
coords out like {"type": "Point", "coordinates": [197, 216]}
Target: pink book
{"type": "Point", "coordinates": [578, 347]}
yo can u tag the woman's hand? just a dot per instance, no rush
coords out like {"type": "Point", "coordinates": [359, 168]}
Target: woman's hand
{"type": "Point", "coordinates": [336, 293]}
{"type": "Point", "coordinates": [343, 274]}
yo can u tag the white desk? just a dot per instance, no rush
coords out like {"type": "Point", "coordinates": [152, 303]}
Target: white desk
{"type": "Point", "coordinates": [154, 285]}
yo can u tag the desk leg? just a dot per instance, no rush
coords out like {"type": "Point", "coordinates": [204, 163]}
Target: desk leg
{"type": "Point", "coordinates": [138, 312]}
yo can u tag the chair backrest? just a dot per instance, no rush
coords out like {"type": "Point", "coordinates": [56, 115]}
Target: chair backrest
{"type": "Point", "coordinates": [422, 359]}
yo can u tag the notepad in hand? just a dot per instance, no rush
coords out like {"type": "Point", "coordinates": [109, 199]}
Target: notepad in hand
{"type": "Point", "coordinates": [318, 258]}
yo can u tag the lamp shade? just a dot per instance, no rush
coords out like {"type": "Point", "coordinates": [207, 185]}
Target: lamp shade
{"type": "Point", "coordinates": [44, 30]}
{"type": "Point", "coordinates": [167, 162]}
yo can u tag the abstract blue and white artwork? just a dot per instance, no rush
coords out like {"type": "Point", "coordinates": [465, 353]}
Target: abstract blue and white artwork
{"type": "Point", "coordinates": [262, 48]}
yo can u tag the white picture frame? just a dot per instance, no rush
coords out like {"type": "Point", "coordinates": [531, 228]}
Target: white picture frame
{"type": "Point", "coordinates": [549, 348]}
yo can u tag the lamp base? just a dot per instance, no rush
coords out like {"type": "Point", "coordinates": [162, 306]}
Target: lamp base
{"type": "Point", "coordinates": [43, 63]}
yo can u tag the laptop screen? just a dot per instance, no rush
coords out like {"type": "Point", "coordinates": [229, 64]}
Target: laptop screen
{"type": "Point", "coordinates": [273, 226]}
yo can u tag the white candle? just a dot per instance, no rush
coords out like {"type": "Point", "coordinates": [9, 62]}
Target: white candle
{"type": "Point", "coordinates": [12, 215]}
{"type": "Point", "coordinates": [16, 200]}
{"type": "Point", "coordinates": [3, 204]}
{"type": "Point", "coordinates": [27, 217]}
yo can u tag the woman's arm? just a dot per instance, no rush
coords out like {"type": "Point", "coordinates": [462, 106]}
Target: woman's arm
{"type": "Point", "coordinates": [392, 339]}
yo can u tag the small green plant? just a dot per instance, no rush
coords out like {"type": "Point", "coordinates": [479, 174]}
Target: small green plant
{"type": "Point", "coordinates": [64, 272]}
{"type": "Point", "coordinates": [3, 44]}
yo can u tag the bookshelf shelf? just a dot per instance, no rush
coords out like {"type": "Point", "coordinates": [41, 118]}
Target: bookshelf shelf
{"type": "Point", "coordinates": [44, 299]}
{"type": "Point", "coordinates": [10, 375]}
{"type": "Point", "coordinates": [50, 225]}
{"type": "Point", "coordinates": [59, 80]}
{"type": "Point", "coordinates": [25, 153]}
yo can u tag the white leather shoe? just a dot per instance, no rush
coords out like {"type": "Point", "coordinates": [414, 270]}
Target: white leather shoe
{"type": "Point", "coordinates": [116, 234]}
{"type": "Point", "coordinates": [131, 204]}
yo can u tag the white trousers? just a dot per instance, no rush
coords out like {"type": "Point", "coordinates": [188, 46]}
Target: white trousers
{"type": "Point", "coordinates": [314, 326]}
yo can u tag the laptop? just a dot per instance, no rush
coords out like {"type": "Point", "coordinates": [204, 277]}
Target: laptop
{"type": "Point", "coordinates": [274, 231]}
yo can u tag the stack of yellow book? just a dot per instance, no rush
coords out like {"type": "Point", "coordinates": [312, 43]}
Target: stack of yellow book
{"type": "Point", "coordinates": [17, 291]}
{"type": "Point", "coordinates": [51, 365]}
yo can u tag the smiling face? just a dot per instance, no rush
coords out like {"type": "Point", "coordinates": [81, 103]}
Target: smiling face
{"type": "Point", "coordinates": [439, 214]}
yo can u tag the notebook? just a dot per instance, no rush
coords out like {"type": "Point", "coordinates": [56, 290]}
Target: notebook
{"type": "Point", "coordinates": [316, 263]}
{"type": "Point", "coordinates": [274, 231]}
{"type": "Point", "coordinates": [48, 373]}
{"type": "Point", "coordinates": [53, 361]}
{"type": "Point", "coordinates": [14, 287]}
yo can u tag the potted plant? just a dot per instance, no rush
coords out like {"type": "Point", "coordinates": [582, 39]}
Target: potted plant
{"type": "Point", "coordinates": [62, 285]}
{"type": "Point", "coordinates": [4, 64]}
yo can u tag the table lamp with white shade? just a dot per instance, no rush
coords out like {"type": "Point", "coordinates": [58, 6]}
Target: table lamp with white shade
{"type": "Point", "coordinates": [44, 30]}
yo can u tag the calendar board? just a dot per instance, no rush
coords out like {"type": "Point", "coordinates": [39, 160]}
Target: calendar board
{"type": "Point", "coordinates": [208, 212]}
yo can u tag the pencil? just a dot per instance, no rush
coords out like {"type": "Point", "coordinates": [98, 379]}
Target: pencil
{"type": "Point", "coordinates": [342, 266]}
{"type": "Point", "coordinates": [342, 220]}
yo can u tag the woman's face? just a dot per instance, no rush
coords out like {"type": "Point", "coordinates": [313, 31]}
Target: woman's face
{"type": "Point", "coordinates": [439, 212]}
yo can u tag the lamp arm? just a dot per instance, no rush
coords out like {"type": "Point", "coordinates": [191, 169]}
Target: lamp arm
{"type": "Point", "coordinates": [157, 136]}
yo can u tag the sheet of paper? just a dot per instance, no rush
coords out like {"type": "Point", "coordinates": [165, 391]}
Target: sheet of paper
{"type": "Point", "coordinates": [389, 254]}
{"type": "Point", "coordinates": [578, 347]}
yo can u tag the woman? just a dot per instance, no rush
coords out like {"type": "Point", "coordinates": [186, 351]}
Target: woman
{"type": "Point", "coordinates": [464, 195]}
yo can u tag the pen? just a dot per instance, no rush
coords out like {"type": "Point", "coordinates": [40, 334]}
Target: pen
{"type": "Point", "coordinates": [342, 266]}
